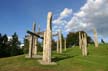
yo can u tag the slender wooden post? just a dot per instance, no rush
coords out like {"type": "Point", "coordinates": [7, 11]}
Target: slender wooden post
{"type": "Point", "coordinates": [30, 46]}
{"type": "Point", "coordinates": [95, 38]}
{"type": "Point", "coordinates": [33, 30]}
{"type": "Point", "coordinates": [32, 42]}
{"type": "Point", "coordinates": [85, 44]}
{"type": "Point", "coordinates": [48, 37]}
{"type": "Point", "coordinates": [35, 43]}
{"type": "Point", "coordinates": [34, 50]}
{"type": "Point", "coordinates": [60, 39]}
{"type": "Point", "coordinates": [80, 40]}
{"type": "Point", "coordinates": [44, 48]}
{"type": "Point", "coordinates": [58, 45]}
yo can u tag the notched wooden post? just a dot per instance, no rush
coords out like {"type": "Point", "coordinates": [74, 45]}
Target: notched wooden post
{"type": "Point", "coordinates": [47, 42]}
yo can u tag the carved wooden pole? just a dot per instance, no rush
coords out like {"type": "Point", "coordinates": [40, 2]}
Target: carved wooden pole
{"type": "Point", "coordinates": [36, 42]}
{"type": "Point", "coordinates": [48, 37]}
{"type": "Point", "coordinates": [30, 46]}
{"type": "Point", "coordinates": [85, 44]}
{"type": "Point", "coordinates": [33, 30]}
{"type": "Point", "coordinates": [60, 39]}
{"type": "Point", "coordinates": [58, 45]}
{"type": "Point", "coordinates": [32, 42]}
{"type": "Point", "coordinates": [80, 40]}
{"type": "Point", "coordinates": [95, 38]}
{"type": "Point", "coordinates": [44, 48]}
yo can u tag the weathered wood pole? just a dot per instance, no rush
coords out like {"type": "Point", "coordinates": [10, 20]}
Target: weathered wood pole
{"type": "Point", "coordinates": [65, 44]}
{"type": "Point", "coordinates": [33, 30]}
{"type": "Point", "coordinates": [85, 44]}
{"type": "Point", "coordinates": [34, 50]}
{"type": "Point", "coordinates": [60, 39]}
{"type": "Point", "coordinates": [58, 45]}
{"type": "Point", "coordinates": [30, 45]}
{"type": "Point", "coordinates": [36, 45]}
{"type": "Point", "coordinates": [95, 38]}
{"type": "Point", "coordinates": [44, 48]}
{"type": "Point", "coordinates": [47, 42]}
{"type": "Point", "coordinates": [80, 42]}
{"type": "Point", "coordinates": [36, 41]}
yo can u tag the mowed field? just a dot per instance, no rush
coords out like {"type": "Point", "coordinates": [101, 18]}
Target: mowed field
{"type": "Point", "coordinates": [70, 60]}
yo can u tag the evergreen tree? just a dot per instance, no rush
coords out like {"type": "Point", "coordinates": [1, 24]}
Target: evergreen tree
{"type": "Point", "coordinates": [73, 39]}
{"type": "Point", "coordinates": [11, 47]}
{"type": "Point", "coordinates": [62, 40]}
{"type": "Point", "coordinates": [53, 44]}
{"type": "Point", "coordinates": [15, 45]}
{"type": "Point", "coordinates": [4, 48]}
{"type": "Point", "coordinates": [26, 46]}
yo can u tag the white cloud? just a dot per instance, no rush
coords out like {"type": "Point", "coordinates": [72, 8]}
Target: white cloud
{"type": "Point", "coordinates": [61, 20]}
{"type": "Point", "coordinates": [9, 38]}
{"type": "Point", "coordinates": [94, 13]}
{"type": "Point", "coordinates": [64, 14]}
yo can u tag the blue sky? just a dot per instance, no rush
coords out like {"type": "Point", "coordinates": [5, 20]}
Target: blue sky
{"type": "Point", "coordinates": [18, 15]}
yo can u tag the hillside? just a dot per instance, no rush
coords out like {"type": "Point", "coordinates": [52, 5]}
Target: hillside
{"type": "Point", "coordinates": [70, 60]}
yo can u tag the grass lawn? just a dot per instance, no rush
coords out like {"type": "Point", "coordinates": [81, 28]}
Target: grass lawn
{"type": "Point", "coordinates": [70, 60]}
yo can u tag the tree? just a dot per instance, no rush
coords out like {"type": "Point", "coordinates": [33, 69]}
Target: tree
{"type": "Point", "coordinates": [73, 38]}
{"type": "Point", "coordinates": [62, 40]}
{"type": "Point", "coordinates": [26, 46]}
{"type": "Point", "coordinates": [11, 47]}
{"type": "Point", "coordinates": [5, 39]}
{"type": "Point", "coordinates": [15, 45]}
{"type": "Point", "coordinates": [53, 44]}
{"type": "Point", "coordinates": [3, 46]}
{"type": "Point", "coordinates": [40, 46]}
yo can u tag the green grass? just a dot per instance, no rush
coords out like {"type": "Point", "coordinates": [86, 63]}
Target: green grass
{"type": "Point", "coordinates": [70, 60]}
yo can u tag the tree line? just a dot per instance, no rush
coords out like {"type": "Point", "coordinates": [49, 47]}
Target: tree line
{"type": "Point", "coordinates": [72, 39]}
{"type": "Point", "coordinates": [10, 47]}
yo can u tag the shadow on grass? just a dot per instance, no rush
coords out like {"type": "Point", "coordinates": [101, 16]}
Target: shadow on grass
{"type": "Point", "coordinates": [61, 57]}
